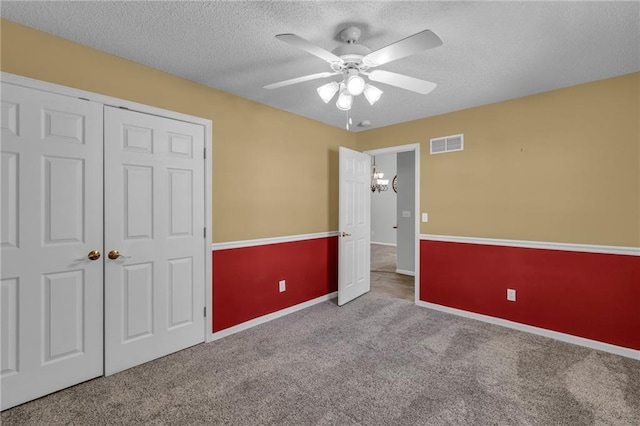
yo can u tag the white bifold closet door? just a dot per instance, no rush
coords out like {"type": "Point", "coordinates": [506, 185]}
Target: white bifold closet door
{"type": "Point", "coordinates": [101, 240]}
{"type": "Point", "coordinates": [154, 218]}
{"type": "Point", "coordinates": [51, 214]}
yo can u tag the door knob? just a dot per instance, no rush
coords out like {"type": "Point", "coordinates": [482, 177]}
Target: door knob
{"type": "Point", "coordinates": [346, 234]}
{"type": "Point", "coordinates": [94, 255]}
{"type": "Point", "coordinates": [115, 254]}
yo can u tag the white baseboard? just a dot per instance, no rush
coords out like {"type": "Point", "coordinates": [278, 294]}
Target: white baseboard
{"type": "Point", "coordinates": [383, 244]}
{"type": "Point", "coordinates": [405, 272]}
{"type": "Point", "coordinates": [269, 317]}
{"type": "Point", "coordinates": [568, 338]}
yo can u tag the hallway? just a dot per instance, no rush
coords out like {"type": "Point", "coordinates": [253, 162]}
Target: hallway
{"type": "Point", "coordinates": [384, 279]}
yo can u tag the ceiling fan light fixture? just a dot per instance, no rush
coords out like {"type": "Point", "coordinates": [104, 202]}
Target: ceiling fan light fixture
{"type": "Point", "coordinates": [355, 85]}
{"type": "Point", "coordinates": [353, 61]}
{"type": "Point", "coordinates": [345, 100]}
{"type": "Point", "coordinates": [328, 91]}
{"type": "Point", "coordinates": [372, 93]}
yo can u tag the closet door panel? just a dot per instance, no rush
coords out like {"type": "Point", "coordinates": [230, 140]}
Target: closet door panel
{"type": "Point", "coordinates": [154, 211]}
{"type": "Point", "coordinates": [51, 206]}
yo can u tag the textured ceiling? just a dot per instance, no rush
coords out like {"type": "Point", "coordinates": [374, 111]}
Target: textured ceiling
{"type": "Point", "coordinates": [492, 51]}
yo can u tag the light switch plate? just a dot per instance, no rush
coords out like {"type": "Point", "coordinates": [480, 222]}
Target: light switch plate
{"type": "Point", "coordinates": [283, 286]}
{"type": "Point", "coordinates": [425, 217]}
{"type": "Point", "coordinates": [511, 295]}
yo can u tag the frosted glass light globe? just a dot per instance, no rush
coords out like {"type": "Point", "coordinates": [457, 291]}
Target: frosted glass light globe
{"type": "Point", "coordinates": [355, 85]}
{"type": "Point", "coordinates": [345, 100]}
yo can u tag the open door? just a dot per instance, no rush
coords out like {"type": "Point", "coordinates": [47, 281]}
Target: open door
{"type": "Point", "coordinates": [354, 252]}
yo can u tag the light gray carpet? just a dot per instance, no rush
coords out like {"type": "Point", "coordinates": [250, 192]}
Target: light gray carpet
{"type": "Point", "coordinates": [375, 361]}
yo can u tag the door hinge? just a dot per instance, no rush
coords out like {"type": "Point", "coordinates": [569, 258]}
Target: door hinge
{"type": "Point", "coordinates": [205, 153]}
{"type": "Point", "coordinates": [205, 311]}
{"type": "Point", "coordinates": [204, 233]}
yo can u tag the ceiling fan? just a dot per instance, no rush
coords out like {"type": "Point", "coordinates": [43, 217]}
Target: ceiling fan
{"type": "Point", "coordinates": [355, 61]}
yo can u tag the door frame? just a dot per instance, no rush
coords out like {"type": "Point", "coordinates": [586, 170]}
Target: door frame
{"type": "Point", "coordinates": [207, 124]}
{"type": "Point", "coordinates": [415, 147]}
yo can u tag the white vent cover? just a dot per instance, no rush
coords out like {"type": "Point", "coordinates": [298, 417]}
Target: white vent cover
{"type": "Point", "coordinates": [447, 144]}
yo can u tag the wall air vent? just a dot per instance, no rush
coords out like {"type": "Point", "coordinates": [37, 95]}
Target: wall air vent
{"type": "Point", "coordinates": [447, 144]}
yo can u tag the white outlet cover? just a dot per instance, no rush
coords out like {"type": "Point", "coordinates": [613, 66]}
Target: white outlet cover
{"type": "Point", "coordinates": [425, 217]}
{"type": "Point", "coordinates": [511, 295]}
{"type": "Point", "coordinates": [282, 285]}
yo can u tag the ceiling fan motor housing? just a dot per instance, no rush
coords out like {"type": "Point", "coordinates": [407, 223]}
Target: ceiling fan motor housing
{"type": "Point", "coordinates": [351, 55]}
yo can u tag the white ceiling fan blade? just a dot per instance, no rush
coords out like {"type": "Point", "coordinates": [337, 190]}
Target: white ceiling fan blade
{"type": "Point", "coordinates": [403, 81]}
{"type": "Point", "coordinates": [413, 44]}
{"type": "Point", "coordinates": [299, 80]}
{"type": "Point", "coordinates": [306, 45]}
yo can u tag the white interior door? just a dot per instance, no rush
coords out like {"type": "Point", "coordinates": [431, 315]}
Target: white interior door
{"type": "Point", "coordinates": [51, 218]}
{"type": "Point", "coordinates": [154, 210]}
{"type": "Point", "coordinates": [354, 251]}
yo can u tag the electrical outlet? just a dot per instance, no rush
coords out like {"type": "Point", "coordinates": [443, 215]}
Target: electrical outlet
{"type": "Point", "coordinates": [425, 217]}
{"type": "Point", "coordinates": [511, 295]}
{"type": "Point", "coordinates": [283, 285]}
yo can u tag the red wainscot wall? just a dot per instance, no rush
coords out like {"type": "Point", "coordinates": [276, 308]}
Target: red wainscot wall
{"type": "Point", "coordinates": [590, 295]}
{"type": "Point", "coordinates": [245, 280]}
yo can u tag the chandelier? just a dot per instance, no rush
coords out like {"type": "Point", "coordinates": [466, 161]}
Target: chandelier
{"type": "Point", "coordinates": [377, 182]}
{"type": "Point", "coordinates": [351, 85]}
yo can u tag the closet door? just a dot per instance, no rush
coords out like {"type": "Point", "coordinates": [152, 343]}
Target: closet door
{"type": "Point", "coordinates": [51, 300]}
{"type": "Point", "coordinates": [154, 242]}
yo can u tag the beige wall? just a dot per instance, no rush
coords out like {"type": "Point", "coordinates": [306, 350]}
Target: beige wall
{"type": "Point", "coordinates": [560, 166]}
{"type": "Point", "coordinates": [274, 173]}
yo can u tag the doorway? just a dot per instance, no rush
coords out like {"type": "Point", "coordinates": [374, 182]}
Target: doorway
{"type": "Point", "coordinates": [394, 223]}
